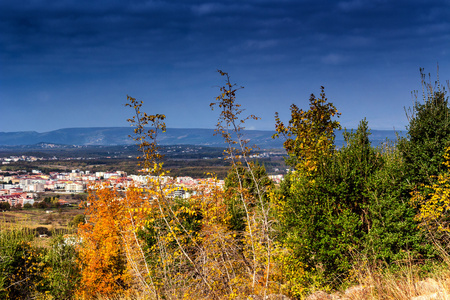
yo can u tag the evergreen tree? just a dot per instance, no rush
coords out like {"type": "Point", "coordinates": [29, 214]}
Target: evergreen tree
{"type": "Point", "coordinates": [428, 135]}
{"type": "Point", "coordinates": [326, 215]}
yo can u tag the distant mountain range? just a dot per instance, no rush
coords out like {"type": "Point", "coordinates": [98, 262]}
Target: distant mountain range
{"type": "Point", "coordinates": [173, 136]}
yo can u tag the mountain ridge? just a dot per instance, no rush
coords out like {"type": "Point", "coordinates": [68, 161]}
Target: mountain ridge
{"type": "Point", "coordinates": [96, 136]}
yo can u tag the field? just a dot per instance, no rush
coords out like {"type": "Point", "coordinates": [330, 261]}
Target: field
{"type": "Point", "coordinates": [50, 218]}
{"type": "Point", "coordinates": [181, 160]}
{"type": "Point", "coordinates": [43, 222]}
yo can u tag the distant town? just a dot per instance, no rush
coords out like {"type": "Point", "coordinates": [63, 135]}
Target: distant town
{"type": "Point", "coordinates": [22, 189]}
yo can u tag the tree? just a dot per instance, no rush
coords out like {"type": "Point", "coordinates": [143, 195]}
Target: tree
{"type": "Point", "coordinates": [394, 234]}
{"type": "Point", "coordinates": [428, 134]}
{"type": "Point", "coordinates": [353, 205]}
{"type": "Point", "coordinates": [78, 219]}
{"type": "Point", "coordinates": [249, 209]}
{"type": "Point", "coordinates": [324, 214]}
{"type": "Point", "coordinates": [435, 203]}
{"type": "Point", "coordinates": [137, 239]}
{"type": "Point", "coordinates": [21, 267]}
{"type": "Point", "coordinates": [41, 205]}
{"type": "Point", "coordinates": [250, 182]}
{"type": "Point", "coordinates": [101, 256]}
{"type": "Point", "coordinates": [147, 138]}
{"type": "Point", "coordinates": [302, 202]}
{"type": "Point", "coordinates": [5, 206]}
{"type": "Point", "coordinates": [310, 134]}
{"type": "Point", "coordinates": [61, 274]}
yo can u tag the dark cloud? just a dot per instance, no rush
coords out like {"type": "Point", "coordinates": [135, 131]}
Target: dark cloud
{"type": "Point", "coordinates": [77, 41]}
{"type": "Point", "coordinates": [134, 28]}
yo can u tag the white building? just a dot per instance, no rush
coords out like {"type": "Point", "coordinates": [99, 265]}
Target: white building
{"type": "Point", "coordinates": [75, 188]}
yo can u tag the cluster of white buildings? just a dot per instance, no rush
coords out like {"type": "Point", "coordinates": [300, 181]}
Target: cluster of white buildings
{"type": "Point", "coordinates": [13, 158]}
{"type": "Point", "coordinates": [22, 188]}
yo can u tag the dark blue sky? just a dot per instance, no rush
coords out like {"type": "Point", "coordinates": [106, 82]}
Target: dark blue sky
{"type": "Point", "coordinates": [72, 63]}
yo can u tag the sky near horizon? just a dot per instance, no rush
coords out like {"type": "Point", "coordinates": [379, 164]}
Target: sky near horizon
{"type": "Point", "coordinates": [72, 63]}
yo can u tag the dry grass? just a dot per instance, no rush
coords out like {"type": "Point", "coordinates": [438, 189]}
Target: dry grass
{"type": "Point", "coordinates": [374, 284]}
{"type": "Point", "coordinates": [39, 221]}
{"type": "Point", "coordinates": [406, 281]}
{"type": "Point", "coordinates": [34, 218]}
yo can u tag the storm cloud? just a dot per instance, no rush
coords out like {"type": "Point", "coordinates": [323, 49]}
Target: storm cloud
{"type": "Point", "coordinates": [49, 47]}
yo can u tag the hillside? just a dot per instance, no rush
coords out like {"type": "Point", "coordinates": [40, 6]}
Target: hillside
{"type": "Point", "coordinates": [173, 136]}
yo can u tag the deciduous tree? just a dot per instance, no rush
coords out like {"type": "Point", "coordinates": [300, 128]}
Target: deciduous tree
{"type": "Point", "coordinates": [309, 136]}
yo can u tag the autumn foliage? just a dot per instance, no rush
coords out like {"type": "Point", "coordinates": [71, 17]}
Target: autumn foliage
{"type": "Point", "coordinates": [310, 134]}
{"type": "Point", "coordinates": [339, 208]}
{"type": "Point", "coordinates": [101, 257]}
{"type": "Point", "coordinates": [249, 237]}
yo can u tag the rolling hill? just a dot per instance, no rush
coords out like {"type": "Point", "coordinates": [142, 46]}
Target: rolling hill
{"type": "Point", "coordinates": [173, 136]}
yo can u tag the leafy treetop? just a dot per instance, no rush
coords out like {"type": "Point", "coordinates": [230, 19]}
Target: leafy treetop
{"type": "Point", "coordinates": [310, 134]}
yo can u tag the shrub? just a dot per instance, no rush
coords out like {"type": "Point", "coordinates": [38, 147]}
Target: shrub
{"type": "Point", "coordinates": [5, 206]}
{"type": "Point", "coordinates": [428, 135]}
{"type": "Point", "coordinates": [61, 275]}
{"type": "Point", "coordinates": [354, 203]}
{"type": "Point", "coordinates": [78, 219]}
{"type": "Point", "coordinates": [21, 265]}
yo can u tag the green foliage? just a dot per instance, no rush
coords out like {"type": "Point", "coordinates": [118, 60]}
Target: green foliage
{"type": "Point", "coordinates": [20, 265]}
{"type": "Point", "coordinates": [423, 153]}
{"type": "Point", "coordinates": [356, 162]}
{"type": "Point", "coordinates": [394, 233]}
{"type": "Point", "coordinates": [41, 205]}
{"type": "Point", "coordinates": [184, 217]}
{"type": "Point", "coordinates": [325, 215]}
{"type": "Point", "coordinates": [47, 202]}
{"type": "Point", "coordinates": [355, 203]}
{"type": "Point", "coordinates": [244, 181]}
{"type": "Point", "coordinates": [27, 271]}
{"type": "Point", "coordinates": [319, 230]}
{"type": "Point", "coordinates": [78, 219]}
{"type": "Point", "coordinates": [310, 134]}
{"type": "Point", "coordinates": [62, 273]}
{"type": "Point", "coordinates": [428, 134]}
{"type": "Point", "coordinates": [316, 223]}
{"type": "Point", "coordinates": [5, 206]}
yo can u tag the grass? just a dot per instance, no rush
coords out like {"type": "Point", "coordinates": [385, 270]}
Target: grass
{"type": "Point", "coordinates": [33, 218]}
{"type": "Point", "coordinates": [38, 221]}
{"type": "Point", "coordinates": [398, 281]}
